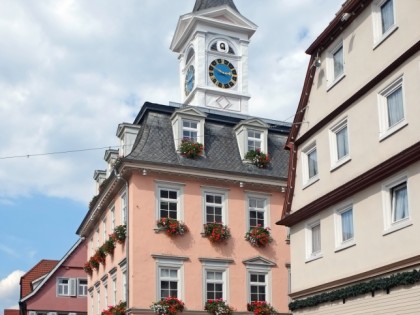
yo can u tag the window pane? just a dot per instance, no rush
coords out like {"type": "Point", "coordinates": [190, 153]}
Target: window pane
{"type": "Point", "coordinates": [312, 163]}
{"type": "Point", "coordinates": [316, 239]}
{"type": "Point", "coordinates": [399, 202]}
{"type": "Point", "coordinates": [387, 15]}
{"type": "Point", "coordinates": [342, 143]}
{"type": "Point", "coordinates": [347, 225]}
{"type": "Point", "coordinates": [338, 62]}
{"type": "Point", "coordinates": [395, 107]}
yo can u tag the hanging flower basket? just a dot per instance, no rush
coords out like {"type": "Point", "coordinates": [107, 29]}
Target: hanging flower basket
{"type": "Point", "coordinates": [190, 149]}
{"type": "Point", "coordinates": [218, 307]}
{"type": "Point", "coordinates": [259, 236]}
{"type": "Point", "coordinates": [216, 232]}
{"type": "Point", "coordinates": [258, 158]}
{"type": "Point", "coordinates": [120, 234]}
{"type": "Point", "coordinates": [261, 308]}
{"type": "Point", "coordinates": [168, 306]}
{"type": "Point", "coordinates": [100, 255]}
{"type": "Point", "coordinates": [118, 309]}
{"type": "Point", "coordinates": [94, 262]}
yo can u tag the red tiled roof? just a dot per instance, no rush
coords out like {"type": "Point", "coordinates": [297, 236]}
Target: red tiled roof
{"type": "Point", "coordinates": [11, 312]}
{"type": "Point", "coordinates": [40, 269]}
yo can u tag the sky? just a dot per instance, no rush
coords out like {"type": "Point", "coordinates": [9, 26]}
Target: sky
{"type": "Point", "coordinates": [72, 70]}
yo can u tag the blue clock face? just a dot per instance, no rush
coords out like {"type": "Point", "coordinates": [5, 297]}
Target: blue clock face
{"type": "Point", "coordinates": [222, 73]}
{"type": "Point", "coordinates": [189, 80]}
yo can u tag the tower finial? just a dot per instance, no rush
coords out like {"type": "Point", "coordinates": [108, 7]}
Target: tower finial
{"type": "Point", "coordinates": [205, 4]}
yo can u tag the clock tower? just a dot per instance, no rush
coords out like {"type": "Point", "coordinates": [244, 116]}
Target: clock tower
{"type": "Point", "coordinates": [212, 43]}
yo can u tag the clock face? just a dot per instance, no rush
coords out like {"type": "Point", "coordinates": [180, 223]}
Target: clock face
{"type": "Point", "coordinates": [222, 73]}
{"type": "Point", "coordinates": [189, 80]}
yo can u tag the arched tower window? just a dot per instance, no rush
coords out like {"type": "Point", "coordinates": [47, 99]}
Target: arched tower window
{"type": "Point", "coordinates": [190, 55]}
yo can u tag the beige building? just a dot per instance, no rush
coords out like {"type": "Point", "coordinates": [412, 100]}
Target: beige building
{"type": "Point", "coordinates": [352, 202]}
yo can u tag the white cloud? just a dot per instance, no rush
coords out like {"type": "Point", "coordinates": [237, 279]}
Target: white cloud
{"type": "Point", "coordinates": [9, 290]}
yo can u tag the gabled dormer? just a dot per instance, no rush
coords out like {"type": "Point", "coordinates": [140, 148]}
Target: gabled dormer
{"type": "Point", "coordinates": [127, 134]}
{"type": "Point", "coordinates": [188, 123]}
{"type": "Point", "coordinates": [110, 157]}
{"type": "Point", "coordinates": [251, 134]}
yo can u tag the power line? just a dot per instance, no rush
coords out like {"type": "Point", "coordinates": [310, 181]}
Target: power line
{"type": "Point", "coordinates": [55, 153]}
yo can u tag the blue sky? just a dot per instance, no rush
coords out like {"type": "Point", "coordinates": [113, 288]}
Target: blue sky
{"type": "Point", "coordinates": [72, 70]}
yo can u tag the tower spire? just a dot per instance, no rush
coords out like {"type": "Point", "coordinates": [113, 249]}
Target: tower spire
{"type": "Point", "coordinates": [205, 4]}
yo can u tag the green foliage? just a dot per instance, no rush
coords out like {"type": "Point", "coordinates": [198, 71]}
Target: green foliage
{"type": "Point", "coordinates": [258, 158]}
{"type": "Point", "coordinates": [190, 149]}
{"type": "Point", "coordinates": [216, 232]}
{"type": "Point", "coordinates": [379, 284]}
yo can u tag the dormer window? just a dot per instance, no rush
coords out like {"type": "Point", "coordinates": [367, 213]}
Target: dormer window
{"type": "Point", "coordinates": [188, 123]}
{"type": "Point", "coordinates": [252, 135]}
{"type": "Point", "coordinates": [190, 130]}
{"type": "Point", "coordinates": [254, 140]}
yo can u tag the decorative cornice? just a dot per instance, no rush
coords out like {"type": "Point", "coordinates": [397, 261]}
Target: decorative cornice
{"type": "Point", "coordinates": [165, 256]}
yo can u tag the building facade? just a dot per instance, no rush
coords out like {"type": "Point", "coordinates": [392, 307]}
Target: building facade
{"type": "Point", "coordinates": [55, 287]}
{"type": "Point", "coordinates": [351, 202]}
{"type": "Point", "coordinates": [183, 210]}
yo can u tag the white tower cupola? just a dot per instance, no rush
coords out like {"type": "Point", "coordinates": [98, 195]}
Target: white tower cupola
{"type": "Point", "coordinates": [212, 43]}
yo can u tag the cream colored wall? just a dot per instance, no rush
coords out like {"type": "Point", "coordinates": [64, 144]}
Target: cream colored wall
{"type": "Point", "coordinates": [145, 242]}
{"type": "Point", "coordinates": [362, 63]}
{"type": "Point", "coordinates": [400, 301]}
{"type": "Point", "coordinates": [373, 247]}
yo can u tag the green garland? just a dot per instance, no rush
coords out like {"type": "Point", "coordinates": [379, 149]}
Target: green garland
{"type": "Point", "coordinates": [385, 284]}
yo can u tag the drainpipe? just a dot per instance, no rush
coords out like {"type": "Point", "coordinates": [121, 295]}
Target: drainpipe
{"type": "Point", "coordinates": [120, 177]}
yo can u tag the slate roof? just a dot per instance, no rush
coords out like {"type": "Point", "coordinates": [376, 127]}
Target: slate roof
{"type": "Point", "coordinates": [155, 143]}
{"type": "Point", "coordinates": [37, 271]}
{"type": "Point", "coordinates": [206, 4]}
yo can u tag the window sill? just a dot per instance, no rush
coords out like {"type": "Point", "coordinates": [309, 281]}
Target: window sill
{"type": "Point", "coordinates": [340, 163]}
{"type": "Point", "coordinates": [392, 130]}
{"type": "Point", "coordinates": [398, 226]}
{"type": "Point", "coordinates": [344, 246]}
{"type": "Point", "coordinates": [310, 182]}
{"type": "Point", "coordinates": [314, 257]}
{"type": "Point", "coordinates": [335, 82]}
{"type": "Point", "coordinates": [384, 36]}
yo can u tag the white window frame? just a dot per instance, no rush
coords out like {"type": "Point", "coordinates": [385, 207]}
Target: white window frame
{"type": "Point", "coordinates": [310, 255]}
{"type": "Point", "coordinates": [378, 35]}
{"type": "Point", "coordinates": [333, 133]}
{"type": "Point", "coordinates": [197, 129]}
{"type": "Point", "coordinates": [124, 207]}
{"type": "Point", "coordinates": [387, 200]}
{"type": "Point", "coordinates": [332, 78]}
{"type": "Point", "coordinates": [98, 300]}
{"type": "Point", "coordinates": [114, 288]}
{"type": "Point", "coordinates": [179, 188]}
{"type": "Point", "coordinates": [91, 301]}
{"type": "Point", "coordinates": [338, 215]}
{"type": "Point", "coordinates": [82, 289]}
{"type": "Point", "coordinates": [104, 230]}
{"type": "Point", "coordinates": [265, 270]}
{"type": "Point", "coordinates": [63, 289]}
{"type": "Point", "coordinates": [105, 284]}
{"type": "Point", "coordinates": [172, 264]}
{"type": "Point", "coordinates": [124, 281]}
{"type": "Point", "coordinates": [112, 217]}
{"type": "Point", "coordinates": [258, 141]}
{"type": "Point", "coordinates": [386, 130]}
{"type": "Point", "coordinates": [206, 281]}
{"type": "Point", "coordinates": [307, 181]}
{"type": "Point", "coordinates": [265, 209]}
{"type": "Point", "coordinates": [217, 192]}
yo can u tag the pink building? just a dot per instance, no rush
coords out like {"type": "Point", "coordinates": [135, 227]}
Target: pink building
{"type": "Point", "coordinates": [200, 171]}
{"type": "Point", "coordinates": [56, 287]}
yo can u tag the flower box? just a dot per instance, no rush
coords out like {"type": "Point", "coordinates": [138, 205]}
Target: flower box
{"type": "Point", "coordinates": [190, 149]}
{"type": "Point", "coordinates": [218, 307]}
{"type": "Point", "coordinates": [118, 309]}
{"type": "Point", "coordinates": [216, 232]}
{"type": "Point", "coordinates": [120, 234]}
{"type": "Point", "coordinates": [258, 158]}
{"type": "Point", "coordinates": [168, 306]}
{"type": "Point", "coordinates": [172, 227]}
{"type": "Point", "coordinates": [259, 236]}
{"type": "Point", "coordinates": [261, 308]}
